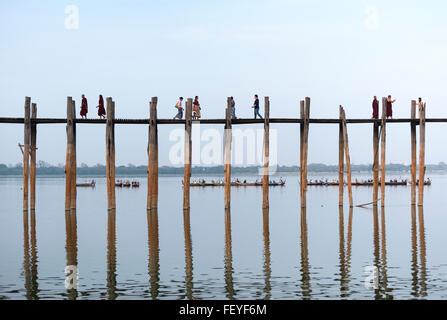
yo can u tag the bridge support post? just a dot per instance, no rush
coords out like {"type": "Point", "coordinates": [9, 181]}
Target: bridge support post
{"type": "Point", "coordinates": [68, 156]}
{"type": "Point", "coordinates": [382, 151]}
{"type": "Point", "coordinates": [33, 157]}
{"type": "Point", "coordinates": [26, 147]}
{"type": "Point", "coordinates": [110, 154]}
{"type": "Point", "coordinates": [413, 152]}
{"type": "Point", "coordinates": [421, 155]}
{"type": "Point", "coordinates": [340, 160]}
{"type": "Point", "coordinates": [227, 154]}
{"type": "Point", "coordinates": [375, 163]}
{"type": "Point", "coordinates": [188, 150]}
{"type": "Point", "coordinates": [304, 150]}
{"type": "Point", "coordinates": [73, 162]}
{"type": "Point", "coordinates": [265, 178]}
{"type": "Point", "coordinates": [347, 156]}
{"type": "Point", "coordinates": [152, 177]}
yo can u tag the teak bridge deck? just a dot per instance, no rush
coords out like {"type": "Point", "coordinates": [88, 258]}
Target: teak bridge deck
{"type": "Point", "coordinates": [30, 122]}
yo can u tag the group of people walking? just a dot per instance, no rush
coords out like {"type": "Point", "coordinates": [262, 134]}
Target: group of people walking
{"type": "Point", "coordinates": [100, 106]}
{"type": "Point", "coordinates": [196, 108]}
{"type": "Point", "coordinates": [389, 107]}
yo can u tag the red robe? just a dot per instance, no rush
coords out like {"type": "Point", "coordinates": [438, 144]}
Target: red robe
{"type": "Point", "coordinates": [389, 109]}
{"type": "Point", "coordinates": [101, 110]}
{"type": "Point", "coordinates": [375, 106]}
{"type": "Point", "coordinates": [84, 107]}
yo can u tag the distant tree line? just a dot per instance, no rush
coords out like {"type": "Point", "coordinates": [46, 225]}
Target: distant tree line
{"type": "Point", "coordinates": [44, 168]}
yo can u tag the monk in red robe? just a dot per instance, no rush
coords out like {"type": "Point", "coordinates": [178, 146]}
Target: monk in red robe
{"type": "Point", "coordinates": [84, 107]}
{"type": "Point", "coordinates": [389, 107]}
{"type": "Point", "coordinates": [375, 106]}
{"type": "Point", "coordinates": [101, 110]}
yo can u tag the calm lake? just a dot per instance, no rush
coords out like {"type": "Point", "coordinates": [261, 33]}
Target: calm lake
{"type": "Point", "coordinates": [208, 253]}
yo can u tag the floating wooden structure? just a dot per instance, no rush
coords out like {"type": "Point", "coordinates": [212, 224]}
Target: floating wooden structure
{"type": "Point", "coordinates": [30, 122]}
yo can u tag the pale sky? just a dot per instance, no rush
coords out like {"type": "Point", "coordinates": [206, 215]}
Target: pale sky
{"type": "Point", "coordinates": [336, 52]}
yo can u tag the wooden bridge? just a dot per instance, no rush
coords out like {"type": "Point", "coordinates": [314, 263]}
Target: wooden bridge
{"type": "Point", "coordinates": [30, 122]}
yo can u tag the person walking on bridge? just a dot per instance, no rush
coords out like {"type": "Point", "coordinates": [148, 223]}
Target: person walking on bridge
{"type": "Point", "coordinates": [179, 107]}
{"type": "Point", "coordinates": [100, 106]}
{"type": "Point", "coordinates": [233, 109]}
{"type": "Point", "coordinates": [84, 107]}
{"type": "Point", "coordinates": [256, 106]}
{"type": "Point", "coordinates": [375, 106]}
{"type": "Point", "coordinates": [389, 107]}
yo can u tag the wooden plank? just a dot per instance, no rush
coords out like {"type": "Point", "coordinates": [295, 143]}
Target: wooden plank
{"type": "Point", "coordinates": [188, 149]}
{"type": "Point", "coordinates": [347, 156]}
{"type": "Point", "coordinates": [265, 178]}
{"type": "Point", "coordinates": [227, 154]}
{"type": "Point", "coordinates": [33, 158]}
{"type": "Point", "coordinates": [382, 155]}
{"type": "Point", "coordinates": [413, 152]}
{"type": "Point", "coordinates": [152, 179]}
{"type": "Point", "coordinates": [421, 155]}
{"type": "Point", "coordinates": [341, 155]}
{"type": "Point", "coordinates": [26, 143]}
{"type": "Point", "coordinates": [68, 171]}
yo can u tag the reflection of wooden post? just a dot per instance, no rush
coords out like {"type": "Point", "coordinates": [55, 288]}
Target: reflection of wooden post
{"type": "Point", "coordinates": [188, 254]}
{"type": "Point", "coordinates": [383, 150]}
{"type": "Point", "coordinates": [305, 150]}
{"type": "Point", "coordinates": [348, 158]}
{"type": "Point", "coordinates": [68, 156]}
{"type": "Point", "coordinates": [413, 152]}
{"type": "Point", "coordinates": [33, 157]}
{"type": "Point", "coordinates": [110, 154]}
{"type": "Point", "coordinates": [73, 158]}
{"type": "Point", "coordinates": [340, 160]}
{"type": "Point", "coordinates": [421, 156]}
{"type": "Point", "coordinates": [301, 150]}
{"type": "Point", "coordinates": [375, 162]}
{"type": "Point", "coordinates": [152, 177]}
{"type": "Point", "coordinates": [227, 155]}
{"type": "Point", "coordinates": [26, 138]}
{"type": "Point", "coordinates": [265, 178]}
{"type": "Point", "coordinates": [187, 171]}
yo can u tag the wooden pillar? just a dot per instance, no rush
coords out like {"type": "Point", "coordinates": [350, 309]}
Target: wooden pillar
{"type": "Point", "coordinates": [305, 150]}
{"type": "Point", "coordinates": [413, 152]}
{"type": "Point", "coordinates": [265, 178]}
{"type": "Point", "coordinates": [188, 149]}
{"type": "Point", "coordinates": [348, 158]}
{"type": "Point", "coordinates": [382, 155]}
{"type": "Point", "coordinates": [110, 154]}
{"type": "Point", "coordinates": [26, 143]}
{"type": "Point", "coordinates": [301, 149]}
{"type": "Point", "coordinates": [227, 154]}
{"type": "Point", "coordinates": [73, 162]}
{"type": "Point", "coordinates": [341, 155]}
{"type": "Point", "coordinates": [375, 163]}
{"type": "Point", "coordinates": [68, 156]}
{"type": "Point", "coordinates": [421, 155]}
{"type": "Point", "coordinates": [33, 157]}
{"type": "Point", "coordinates": [152, 177]}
